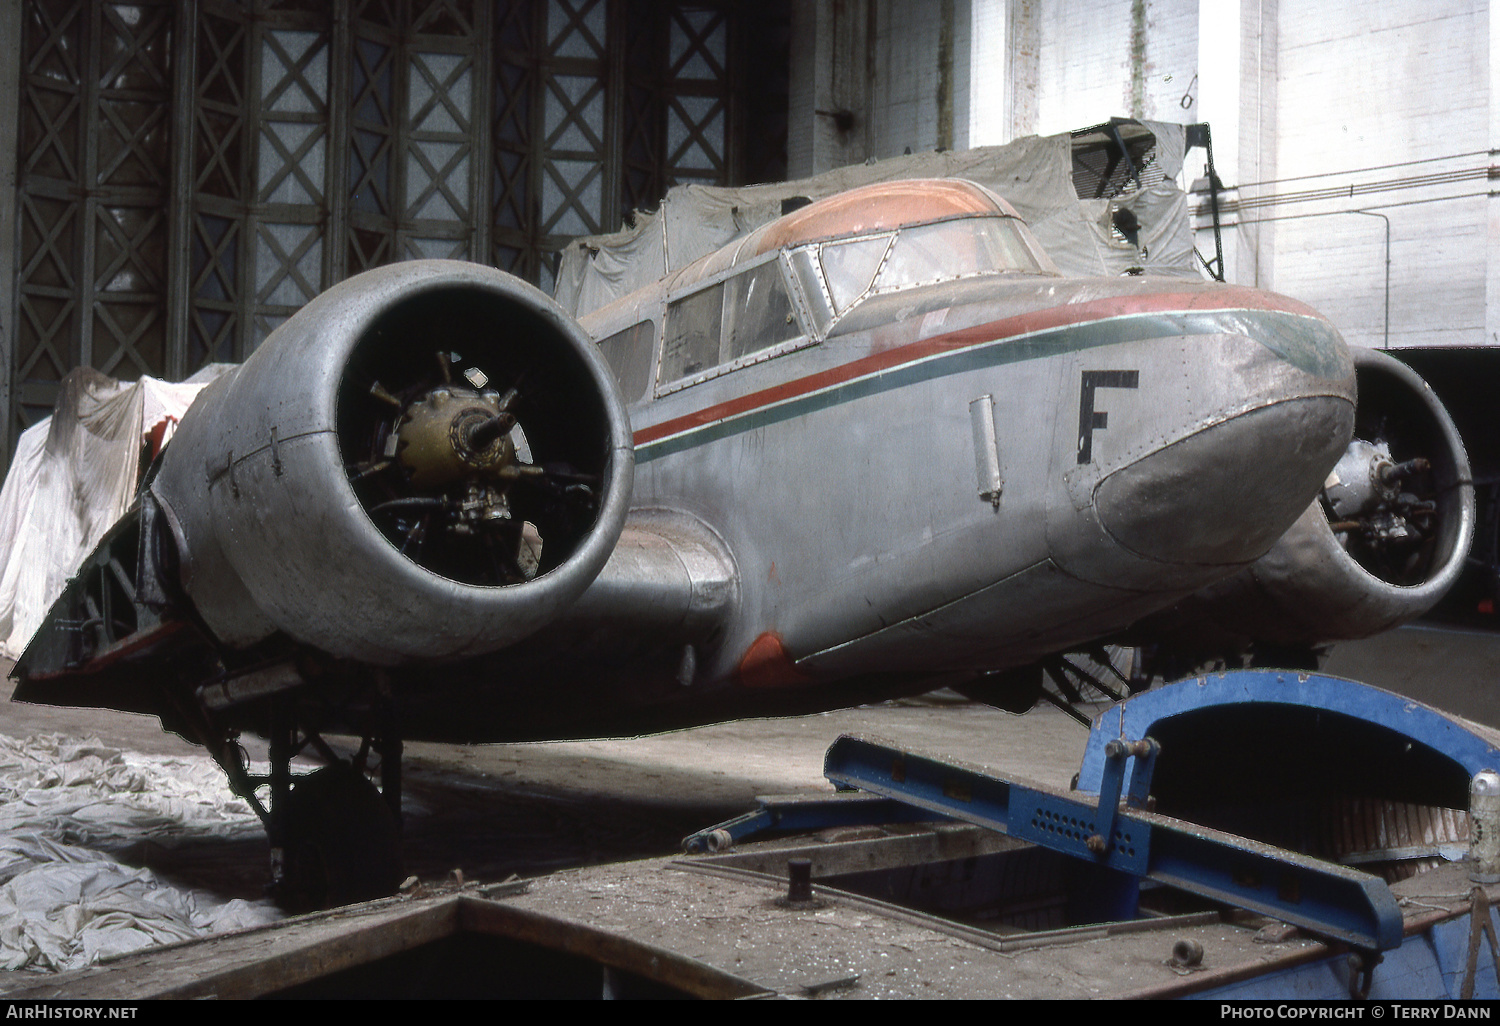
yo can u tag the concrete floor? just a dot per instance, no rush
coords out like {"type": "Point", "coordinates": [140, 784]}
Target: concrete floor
{"type": "Point", "coordinates": [495, 810]}
{"type": "Point", "coordinates": [1456, 671]}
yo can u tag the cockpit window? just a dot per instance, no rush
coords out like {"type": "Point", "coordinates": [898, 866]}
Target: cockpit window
{"type": "Point", "coordinates": [727, 324]}
{"type": "Point", "coordinates": [692, 337]}
{"type": "Point", "coordinates": [849, 267]}
{"type": "Point", "coordinates": [757, 311]}
{"type": "Point", "coordinates": [923, 254]}
{"type": "Point", "coordinates": [951, 249]}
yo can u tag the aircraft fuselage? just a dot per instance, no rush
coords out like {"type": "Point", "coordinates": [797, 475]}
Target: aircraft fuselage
{"type": "Point", "coordinates": [872, 447]}
{"type": "Point", "coordinates": [1150, 437]}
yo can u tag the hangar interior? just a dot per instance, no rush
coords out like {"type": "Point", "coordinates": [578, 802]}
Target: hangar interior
{"type": "Point", "coordinates": [177, 177]}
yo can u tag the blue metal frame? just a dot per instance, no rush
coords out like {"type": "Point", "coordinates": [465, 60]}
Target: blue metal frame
{"type": "Point", "coordinates": [1103, 823]}
{"type": "Point", "coordinates": [801, 814]}
{"type": "Point", "coordinates": [1323, 898]}
{"type": "Point", "coordinates": [1138, 716]}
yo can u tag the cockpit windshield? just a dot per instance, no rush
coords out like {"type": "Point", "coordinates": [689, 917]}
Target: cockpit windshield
{"type": "Point", "coordinates": [924, 254]}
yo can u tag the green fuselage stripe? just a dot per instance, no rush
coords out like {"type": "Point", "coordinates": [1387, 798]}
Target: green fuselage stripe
{"type": "Point", "coordinates": [1302, 341]}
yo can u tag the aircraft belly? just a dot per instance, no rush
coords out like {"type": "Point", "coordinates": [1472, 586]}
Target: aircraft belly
{"type": "Point", "coordinates": [1027, 615]}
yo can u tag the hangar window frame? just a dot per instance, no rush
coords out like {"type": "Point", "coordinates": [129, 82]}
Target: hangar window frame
{"type": "Point", "coordinates": [189, 172]}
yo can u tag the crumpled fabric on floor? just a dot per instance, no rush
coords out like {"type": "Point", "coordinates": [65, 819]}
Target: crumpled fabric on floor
{"type": "Point", "coordinates": [67, 804]}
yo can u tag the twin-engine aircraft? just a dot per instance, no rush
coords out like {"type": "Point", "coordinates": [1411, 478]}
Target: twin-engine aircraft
{"type": "Point", "coordinates": [874, 447]}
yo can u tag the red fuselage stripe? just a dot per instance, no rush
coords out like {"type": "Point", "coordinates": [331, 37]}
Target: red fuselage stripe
{"type": "Point", "coordinates": [1010, 327]}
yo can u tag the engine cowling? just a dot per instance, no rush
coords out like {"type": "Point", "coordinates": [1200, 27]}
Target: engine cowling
{"type": "Point", "coordinates": [429, 460]}
{"type": "Point", "coordinates": [1385, 540]}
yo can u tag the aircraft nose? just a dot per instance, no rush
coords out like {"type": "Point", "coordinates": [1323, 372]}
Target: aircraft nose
{"type": "Point", "coordinates": [1203, 440]}
{"type": "Point", "coordinates": [1224, 494]}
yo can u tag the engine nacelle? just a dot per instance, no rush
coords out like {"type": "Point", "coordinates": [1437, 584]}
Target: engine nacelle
{"type": "Point", "coordinates": [1383, 543]}
{"type": "Point", "coordinates": [429, 460]}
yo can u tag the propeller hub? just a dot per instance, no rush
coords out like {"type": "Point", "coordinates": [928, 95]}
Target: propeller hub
{"type": "Point", "coordinates": [453, 433]}
{"type": "Point", "coordinates": [1362, 481]}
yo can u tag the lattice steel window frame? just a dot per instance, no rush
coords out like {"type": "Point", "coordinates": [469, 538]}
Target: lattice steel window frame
{"type": "Point", "coordinates": [95, 167]}
{"type": "Point", "coordinates": [190, 172]}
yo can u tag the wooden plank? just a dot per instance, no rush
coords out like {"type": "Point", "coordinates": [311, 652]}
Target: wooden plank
{"type": "Point", "coordinates": [253, 963]}
{"type": "Point", "coordinates": [661, 965]}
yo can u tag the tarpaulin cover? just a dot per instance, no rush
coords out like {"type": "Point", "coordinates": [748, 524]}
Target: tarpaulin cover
{"type": "Point", "coordinates": [1035, 175]}
{"type": "Point", "coordinates": [72, 476]}
{"type": "Point", "coordinates": [67, 807]}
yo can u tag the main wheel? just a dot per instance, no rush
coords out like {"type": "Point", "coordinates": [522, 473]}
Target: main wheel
{"type": "Point", "coordinates": [342, 843]}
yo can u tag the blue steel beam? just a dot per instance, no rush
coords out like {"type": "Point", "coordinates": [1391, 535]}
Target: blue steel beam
{"type": "Point", "coordinates": [1325, 899]}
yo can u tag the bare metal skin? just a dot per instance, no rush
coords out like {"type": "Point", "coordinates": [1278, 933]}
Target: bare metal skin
{"type": "Point", "coordinates": [793, 516]}
{"type": "Point", "coordinates": [872, 448]}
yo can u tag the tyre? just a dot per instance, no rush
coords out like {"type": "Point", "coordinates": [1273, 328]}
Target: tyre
{"type": "Point", "coordinates": [342, 842]}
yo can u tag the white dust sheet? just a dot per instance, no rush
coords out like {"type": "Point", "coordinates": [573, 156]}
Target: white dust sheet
{"type": "Point", "coordinates": [67, 806]}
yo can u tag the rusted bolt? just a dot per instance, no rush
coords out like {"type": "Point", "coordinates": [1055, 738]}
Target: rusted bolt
{"type": "Point", "coordinates": [1096, 844]}
{"type": "Point", "coordinates": [1120, 749]}
{"type": "Point", "coordinates": [799, 880]}
{"type": "Point", "coordinates": [1187, 952]}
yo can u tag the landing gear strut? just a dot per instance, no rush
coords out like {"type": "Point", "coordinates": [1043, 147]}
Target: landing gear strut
{"type": "Point", "coordinates": [335, 836]}
{"type": "Point", "coordinates": [1074, 675]}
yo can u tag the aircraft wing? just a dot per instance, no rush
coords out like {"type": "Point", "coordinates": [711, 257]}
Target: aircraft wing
{"type": "Point", "coordinates": [669, 573]}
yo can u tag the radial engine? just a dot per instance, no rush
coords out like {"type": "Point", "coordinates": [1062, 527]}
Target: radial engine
{"type": "Point", "coordinates": [428, 461]}
{"type": "Point", "coordinates": [1386, 539]}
